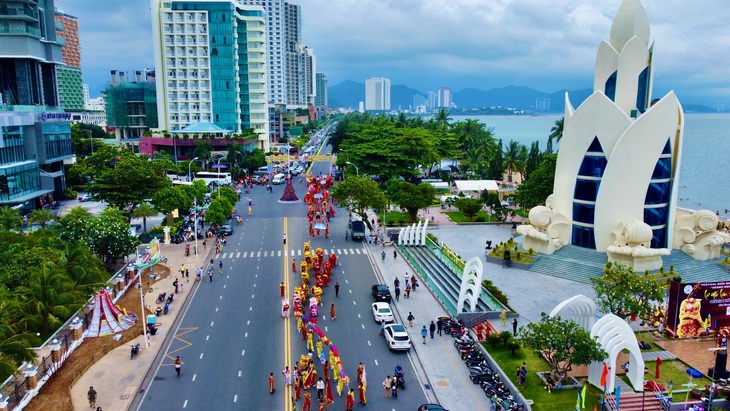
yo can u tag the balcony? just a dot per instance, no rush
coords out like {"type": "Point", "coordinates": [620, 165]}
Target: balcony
{"type": "Point", "coordinates": [24, 14]}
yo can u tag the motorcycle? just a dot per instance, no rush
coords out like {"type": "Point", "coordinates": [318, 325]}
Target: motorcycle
{"type": "Point", "coordinates": [166, 308]}
{"type": "Point", "coordinates": [160, 297]}
{"type": "Point", "coordinates": [400, 376]}
{"type": "Point", "coordinates": [135, 351]}
{"type": "Point", "coordinates": [170, 298]}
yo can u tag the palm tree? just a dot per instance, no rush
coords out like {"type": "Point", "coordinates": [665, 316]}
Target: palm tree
{"type": "Point", "coordinates": [15, 348]}
{"type": "Point", "coordinates": [111, 212]}
{"type": "Point", "coordinates": [42, 216]}
{"type": "Point", "coordinates": [442, 118]}
{"type": "Point", "coordinates": [77, 213]}
{"type": "Point", "coordinates": [556, 133]}
{"type": "Point", "coordinates": [10, 218]}
{"type": "Point", "coordinates": [85, 269]}
{"type": "Point", "coordinates": [50, 297]}
{"type": "Point", "coordinates": [204, 151]}
{"type": "Point", "coordinates": [144, 211]}
{"type": "Point", "coordinates": [402, 120]}
{"type": "Point", "coordinates": [514, 158]}
{"type": "Point", "coordinates": [235, 153]}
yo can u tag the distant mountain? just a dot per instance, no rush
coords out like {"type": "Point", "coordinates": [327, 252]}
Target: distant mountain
{"type": "Point", "coordinates": [349, 94]}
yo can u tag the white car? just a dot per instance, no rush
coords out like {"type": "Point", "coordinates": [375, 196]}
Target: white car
{"type": "Point", "coordinates": [382, 312]}
{"type": "Point", "coordinates": [279, 179]}
{"type": "Point", "coordinates": [397, 337]}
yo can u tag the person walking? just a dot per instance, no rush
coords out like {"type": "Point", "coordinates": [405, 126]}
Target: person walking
{"type": "Point", "coordinates": [91, 395]}
{"type": "Point", "coordinates": [423, 334]}
{"type": "Point", "coordinates": [406, 278]}
{"type": "Point", "coordinates": [382, 255]}
{"type": "Point", "coordinates": [362, 388]}
{"type": "Point", "coordinates": [347, 235]}
{"type": "Point", "coordinates": [503, 317]}
{"type": "Point", "coordinates": [284, 238]}
{"type": "Point", "coordinates": [337, 289]}
{"type": "Point", "coordinates": [387, 385]}
{"type": "Point", "coordinates": [332, 311]}
{"type": "Point", "coordinates": [271, 383]}
{"type": "Point", "coordinates": [397, 293]}
{"type": "Point", "coordinates": [220, 266]}
{"type": "Point", "coordinates": [414, 282]}
{"type": "Point", "coordinates": [396, 283]}
{"type": "Point", "coordinates": [394, 387]}
{"type": "Point", "coordinates": [287, 375]}
{"type": "Point", "coordinates": [294, 265]}
{"type": "Point", "coordinates": [297, 388]}
{"type": "Point", "coordinates": [350, 400]}
{"type": "Point", "coordinates": [320, 388]}
{"type": "Point", "coordinates": [281, 288]}
{"type": "Point", "coordinates": [178, 365]}
{"type": "Point", "coordinates": [395, 254]}
{"type": "Point", "coordinates": [382, 327]}
{"type": "Point", "coordinates": [210, 274]}
{"type": "Point", "coordinates": [439, 326]}
{"type": "Point", "coordinates": [514, 326]}
{"type": "Point", "coordinates": [307, 401]}
{"type": "Point", "coordinates": [410, 319]}
{"type": "Point", "coordinates": [432, 328]}
{"type": "Point", "coordinates": [407, 291]}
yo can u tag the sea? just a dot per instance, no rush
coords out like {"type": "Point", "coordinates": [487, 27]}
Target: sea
{"type": "Point", "coordinates": [704, 176]}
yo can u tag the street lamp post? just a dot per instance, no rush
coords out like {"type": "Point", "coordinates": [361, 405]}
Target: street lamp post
{"type": "Point", "coordinates": [190, 177]}
{"type": "Point", "coordinates": [357, 170]}
{"type": "Point", "coordinates": [195, 224]}
{"type": "Point", "coordinates": [219, 176]}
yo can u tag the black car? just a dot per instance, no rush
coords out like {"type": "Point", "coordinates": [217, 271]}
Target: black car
{"type": "Point", "coordinates": [226, 229]}
{"type": "Point", "coordinates": [381, 292]}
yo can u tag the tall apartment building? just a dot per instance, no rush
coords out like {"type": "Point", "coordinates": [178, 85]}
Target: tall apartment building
{"type": "Point", "coordinates": [35, 133]}
{"type": "Point", "coordinates": [431, 101]}
{"type": "Point", "coordinates": [444, 97]}
{"type": "Point", "coordinates": [70, 84]}
{"type": "Point", "coordinates": [308, 75]}
{"type": "Point", "coordinates": [377, 94]}
{"type": "Point", "coordinates": [320, 98]}
{"type": "Point", "coordinates": [210, 62]}
{"type": "Point", "coordinates": [131, 107]}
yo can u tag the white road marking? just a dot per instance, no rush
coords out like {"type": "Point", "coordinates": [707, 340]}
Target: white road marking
{"type": "Point", "coordinates": [250, 308]}
{"type": "Point", "coordinates": [228, 276]}
{"type": "Point", "coordinates": [201, 355]}
{"type": "Point", "coordinates": [185, 404]}
{"type": "Point", "coordinates": [254, 286]}
{"type": "Point", "coordinates": [235, 398]}
{"type": "Point", "coordinates": [221, 297]}
{"type": "Point", "coordinates": [253, 295]}
{"type": "Point", "coordinates": [244, 254]}
{"type": "Point", "coordinates": [369, 343]}
{"type": "Point", "coordinates": [211, 323]}
{"type": "Point", "coordinates": [243, 352]}
{"type": "Point", "coordinates": [248, 322]}
{"type": "Point", "coordinates": [363, 326]}
{"type": "Point", "coordinates": [278, 253]}
{"type": "Point", "coordinates": [245, 335]}
{"type": "Point", "coordinates": [299, 252]}
{"type": "Point", "coordinates": [239, 374]}
{"type": "Point", "coordinates": [194, 375]}
{"type": "Point", "coordinates": [344, 251]}
{"type": "Point", "coordinates": [224, 286]}
{"type": "Point", "coordinates": [376, 362]}
{"type": "Point", "coordinates": [258, 254]}
{"type": "Point", "coordinates": [358, 316]}
{"type": "Point", "coordinates": [325, 328]}
{"type": "Point", "coordinates": [238, 254]}
{"type": "Point", "coordinates": [350, 291]}
{"type": "Point", "coordinates": [354, 302]}
{"type": "Point", "coordinates": [345, 278]}
{"type": "Point", "coordinates": [207, 337]}
{"type": "Point", "coordinates": [216, 309]}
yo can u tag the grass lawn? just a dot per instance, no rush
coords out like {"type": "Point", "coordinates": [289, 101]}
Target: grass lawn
{"type": "Point", "coordinates": [395, 218]}
{"type": "Point", "coordinates": [647, 337]}
{"type": "Point", "coordinates": [534, 389]}
{"type": "Point", "coordinates": [458, 217]}
{"type": "Point", "coordinates": [675, 371]}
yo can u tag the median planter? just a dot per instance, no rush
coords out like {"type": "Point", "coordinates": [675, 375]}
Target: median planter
{"type": "Point", "coordinates": [515, 264]}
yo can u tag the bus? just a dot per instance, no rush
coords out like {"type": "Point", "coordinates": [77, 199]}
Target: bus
{"type": "Point", "coordinates": [213, 177]}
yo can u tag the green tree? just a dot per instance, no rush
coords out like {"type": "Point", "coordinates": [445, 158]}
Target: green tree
{"type": "Point", "coordinates": [197, 191]}
{"type": "Point", "coordinates": [144, 211]}
{"type": "Point", "coordinates": [256, 159]}
{"type": "Point", "coordinates": [109, 238]}
{"type": "Point", "coordinates": [75, 224]}
{"type": "Point", "coordinates": [469, 207]}
{"type": "Point", "coordinates": [15, 348]}
{"type": "Point", "coordinates": [442, 118]}
{"type": "Point", "coordinates": [539, 186]}
{"type": "Point", "coordinates": [496, 164]}
{"type": "Point", "coordinates": [623, 292]}
{"type": "Point", "coordinates": [411, 197]}
{"type": "Point", "coordinates": [86, 271]}
{"type": "Point", "coordinates": [204, 151]}
{"type": "Point", "coordinates": [515, 155]}
{"type": "Point", "coordinates": [227, 193]}
{"type": "Point", "coordinates": [176, 197]}
{"type": "Point", "coordinates": [556, 132]}
{"type": "Point", "coordinates": [10, 218]}
{"type": "Point", "coordinates": [218, 211]}
{"type": "Point", "coordinates": [533, 159]}
{"type": "Point", "coordinates": [359, 194]}
{"type": "Point", "coordinates": [41, 216]}
{"type": "Point", "coordinates": [563, 343]}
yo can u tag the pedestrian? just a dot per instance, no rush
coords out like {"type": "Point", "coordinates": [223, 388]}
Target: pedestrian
{"type": "Point", "coordinates": [91, 395]}
{"type": "Point", "coordinates": [182, 269]}
{"type": "Point", "coordinates": [182, 288]}
{"type": "Point", "coordinates": [439, 326]}
{"type": "Point", "coordinates": [406, 278]}
{"type": "Point", "coordinates": [382, 327]}
{"type": "Point", "coordinates": [350, 400]}
{"type": "Point", "coordinates": [517, 374]}
{"type": "Point", "coordinates": [432, 328]}
{"type": "Point", "coordinates": [297, 387]}
{"type": "Point", "coordinates": [397, 293]}
{"type": "Point", "coordinates": [337, 289]}
{"type": "Point", "coordinates": [205, 245]}
{"type": "Point", "coordinates": [407, 291]}
{"type": "Point", "coordinates": [394, 387]}
{"type": "Point", "coordinates": [307, 401]}
{"type": "Point", "coordinates": [178, 365]}
{"type": "Point", "coordinates": [410, 319]}
{"type": "Point", "coordinates": [271, 383]}
{"type": "Point", "coordinates": [522, 380]}
{"type": "Point", "coordinates": [414, 282]}
{"type": "Point", "coordinates": [382, 255]}
{"type": "Point", "coordinates": [423, 334]}
{"type": "Point", "coordinates": [210, 274]}
{"type": "Point", "coordinates": [395, 254]}
{"type": "Point", "coordinates": [281, 288]}
{"type": "Point", "coordinates": [321, 405]}
{"type": "Point", "coordinates": [284, 238]}
{"type": "Point", "coordinates": [362, 388]}
{"type": "Point", "coordinates": [387, 384]}
{"type": "Point", "coordinates": [187, 273]}
{"type": "Point", "coordinates": [294, 265]}
{"type": "Point", "coordinates": [287, 375]}
{"type": "Point", "coordinates": [332, 311]}
{"type": "Point", "coordinates": [396, 283]}
{"type": "Point", "coordinates": [514, 326]}
{"type": "Point", "coordinates": [198, 273]}
{"type": "Point", "coordinates": [176, 283]}
{"type": "Point", "coordinates": [320, 388]}
{"type": "Point", "coordinates": [347, 235]}
{"type": "Point", "coordinates": [503, 317]}
{"type": "Point", "coordinates": [220, 266]}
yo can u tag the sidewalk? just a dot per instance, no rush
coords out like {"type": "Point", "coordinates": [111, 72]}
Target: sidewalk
{"type": "Point", "coordinates": [447, 375]}
{"type": "Point", "coordinates": [117, 378]}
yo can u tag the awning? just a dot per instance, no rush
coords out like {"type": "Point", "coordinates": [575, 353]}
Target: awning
{"type": "Point", "coordinates": [476, 185]}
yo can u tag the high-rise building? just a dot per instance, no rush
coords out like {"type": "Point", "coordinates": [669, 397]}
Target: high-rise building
{"type": "Point", "coordinates": [210, 63]}
{"type": "Point", "coordinates": [307, 77]}
{"type": "Point", "coordinates": [444, 97]}
{"type": "Point", "coordinates": [431, 102]}
{"type": "Point", "coordinates": [377, 94]}
{"type": "Point", "coordinates": [320, 99]}
{"type": "Point", "coordinates": [131, 107]}
{"type": "Point", "coordinates": [35, 133]}
{"type": "Point", "coordinates": [70, 84]}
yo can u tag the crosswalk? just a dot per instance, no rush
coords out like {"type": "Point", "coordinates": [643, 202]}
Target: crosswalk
{"type": "Point", "coordinates": [282, 253]}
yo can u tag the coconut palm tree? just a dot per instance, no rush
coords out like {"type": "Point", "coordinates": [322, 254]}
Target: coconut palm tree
{"type": "Point", "coordinates": [85, 269]}
{"type": "Point", "coordinates": [556, 133]}
{"type": "Point", "coordinates": [15, 348]}
{"type": "Point", "coordinates": [144, 211]}
{"type": "Point", "coordinates": [442, 118]}
{"type": "Point", "coordinates": [515, 155]}
{"type": "Point", "coordinates": [41, 216]}
{"type": "Point", "coordinates": [235, 154]}
{"type": "Point", "coordinates": [111, 212]}
{"type": "Point", "coordinates": [10, 218]}
{"type": "Point", "coordinates": [77, 213]}
{"type": "Point", "coordinates": [204, 151]}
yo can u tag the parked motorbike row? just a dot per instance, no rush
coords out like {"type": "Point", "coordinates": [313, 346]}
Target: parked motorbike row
{"type": "Point", "coordinates": [479, 370]}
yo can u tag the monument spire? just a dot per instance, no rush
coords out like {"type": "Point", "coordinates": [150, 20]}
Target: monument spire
{"type": "Point", "coordinates": [631, 21]}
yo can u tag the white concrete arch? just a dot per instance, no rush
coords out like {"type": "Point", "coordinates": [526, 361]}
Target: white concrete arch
{"type": "Point", "coordinates": [423, 233]}
{"type": "Point", "coordinates": [615, 335]}
{"type": "Point", "coordinates": [471, 284]}
{"type": "Point", "coordinates": [583, 309]}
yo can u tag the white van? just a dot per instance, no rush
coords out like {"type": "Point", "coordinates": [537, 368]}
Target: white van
{"type": "Point", "coordinates": [262, 171]}
{"type": "Point", "coordinates": [279, 179]}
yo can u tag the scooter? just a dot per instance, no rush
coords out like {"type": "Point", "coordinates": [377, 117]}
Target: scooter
{"type": "Point", "coordinates": [166, 308]}
{"type": "Point", "coordinates": [160, 297]}
{"type": "Point", "coordinates": [135, 351]}
{"type": "Point", "coordinates": [169, 298]}
{"type": "Point", "coordinates": [400, 376]}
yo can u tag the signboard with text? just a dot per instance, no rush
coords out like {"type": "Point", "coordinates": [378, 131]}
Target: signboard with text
{"type": "Point", "coordinates": [697, 309]}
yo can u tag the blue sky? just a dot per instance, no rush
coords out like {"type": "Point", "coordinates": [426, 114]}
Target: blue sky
{"type": "Point", "coordinates": [426, 44]}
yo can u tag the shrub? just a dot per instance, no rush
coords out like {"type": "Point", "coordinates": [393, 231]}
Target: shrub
{"type": "Point", "coordinates": [70, 194]}
{"type": "Point", "coordinates": [496, 292]}
{"type": "Point", "coordinates": [480, 219]}
{"type": "Point", "coordinates": [513, 344]}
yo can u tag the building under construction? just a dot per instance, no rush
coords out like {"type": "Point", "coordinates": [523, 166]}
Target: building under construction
{"type": "Point", "coordinates": [131, 106]}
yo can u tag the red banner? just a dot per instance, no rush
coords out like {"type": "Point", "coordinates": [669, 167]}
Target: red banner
{"type": "Point", "coordinates": [697, 309]}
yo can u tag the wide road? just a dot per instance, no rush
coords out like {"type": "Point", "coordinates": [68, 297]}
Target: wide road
{"type": "Point", "coordinates": [232, 335]}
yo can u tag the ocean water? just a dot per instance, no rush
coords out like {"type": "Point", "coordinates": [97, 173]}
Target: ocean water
{"type": "Point", "coordinates": [704, 177]}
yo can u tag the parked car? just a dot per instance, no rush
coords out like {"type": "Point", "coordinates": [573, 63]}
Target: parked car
{"type": "Point", "coordinates": [226, 229]}
{"type": "Point", "coordinates": [397, 337]}
{"type": "Point", "coordinates": [382, 312]}
{"type": "Point", "coordinates": [279, 179]}
{"type": "Point", "coordinates": [431, 407]}
{"type": "Point", "coordinates": [381, 292]}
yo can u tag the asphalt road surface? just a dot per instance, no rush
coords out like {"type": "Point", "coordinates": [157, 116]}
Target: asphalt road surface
{"type": "Point", "coordinates": [232, 335]}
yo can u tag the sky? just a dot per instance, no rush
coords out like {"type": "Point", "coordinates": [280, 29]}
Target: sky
{"type": "Point", "coordinates": [427, 44]}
